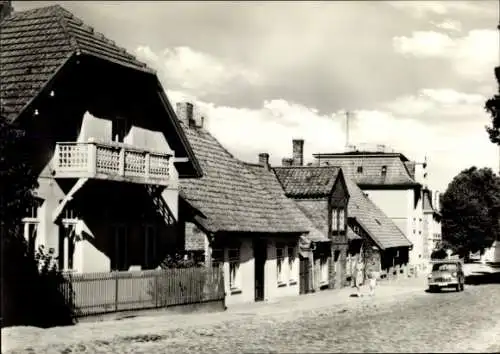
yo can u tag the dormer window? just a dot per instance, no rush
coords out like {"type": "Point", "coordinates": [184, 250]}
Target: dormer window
{"type": "Point", "coordinates": [360, 169]}
{"type": "Point", "coordinates": [119, 129]}
{"type": "Point", "coordinates": [384, 170]}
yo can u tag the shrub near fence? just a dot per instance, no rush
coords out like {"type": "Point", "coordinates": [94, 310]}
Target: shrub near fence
{"type": "Point", "coordinates": [99, 293]}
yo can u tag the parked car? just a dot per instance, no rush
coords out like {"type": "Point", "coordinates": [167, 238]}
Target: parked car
{"type": "Point", "coordinates": [446, 273]}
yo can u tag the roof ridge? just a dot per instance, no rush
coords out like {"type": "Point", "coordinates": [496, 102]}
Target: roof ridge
{"type": "Point", "coordinates": [60, 12]}
{"type": "Point", "coordinates": [304, 167]}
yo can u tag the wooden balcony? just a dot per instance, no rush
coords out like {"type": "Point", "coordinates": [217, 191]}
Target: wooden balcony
{"type": "Point", "coordinates": [112, 161]}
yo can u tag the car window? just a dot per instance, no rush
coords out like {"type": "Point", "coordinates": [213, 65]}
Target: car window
{"type": "Point", "coordinates": [445, 267]}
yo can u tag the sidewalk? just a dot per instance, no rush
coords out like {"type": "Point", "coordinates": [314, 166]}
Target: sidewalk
{"type": "Point", "coordinates": [386, 290]}
{"type": "Point", "coordinates": [289, 307]}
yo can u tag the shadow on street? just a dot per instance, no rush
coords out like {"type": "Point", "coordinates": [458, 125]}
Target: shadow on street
{"type": "Point", "coordinates": [479, 278]}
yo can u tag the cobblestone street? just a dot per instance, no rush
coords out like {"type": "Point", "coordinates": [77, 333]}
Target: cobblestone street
{"type": "Point", "coordinates": [401, 317]}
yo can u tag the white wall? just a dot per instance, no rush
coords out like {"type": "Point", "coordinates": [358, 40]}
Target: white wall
{"type": "Point", "coordinates": [247, 269]}
{"type": "Point", "coordinates": [399, 205]}
{"type": "Point", "coordinates": [87, 258]}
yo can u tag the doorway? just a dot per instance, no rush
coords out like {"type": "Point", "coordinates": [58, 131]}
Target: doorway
{"type": "Point", "coordinates": [304, 275]}
{"type": "Point", "coordinates": [260, 255]}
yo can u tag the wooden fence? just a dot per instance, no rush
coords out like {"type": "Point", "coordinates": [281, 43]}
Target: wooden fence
{"type": "Point", "coordinates": [99, 293]}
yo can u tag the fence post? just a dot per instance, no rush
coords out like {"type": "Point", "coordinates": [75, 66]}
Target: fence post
{"type": "Point", "coordinates": [156, 293]}
{"type": "Point", "coordinates": [116, 291]}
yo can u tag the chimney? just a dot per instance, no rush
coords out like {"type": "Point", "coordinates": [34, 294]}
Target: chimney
{"type": "Point", "coordinates": [185, 112]}
{"type": "Point", "coordinates": [286, 162]}
{"type": "Point", "coordinates": [5, 9]}
{"type": "Point", "coordinates": [298, 152]}
{"type": "Point", "coordinates": [264, 160]}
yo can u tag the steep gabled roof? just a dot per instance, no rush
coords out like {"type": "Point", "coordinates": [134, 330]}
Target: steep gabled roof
{"type": "Point", "coordinates": [270, 182]}
{"type": "Point", "coordinates": [36, 44]}
{"type": "Point", "coordinates": [230, 194]}
{"type": "Point", "coordinates": [398, 171]}
{"type": "Point", "coordinates": [307, 181]}
{"type": "Point", "coordinates": [384, 232]}
{"type": "Point", "coordinates": [317, 211]}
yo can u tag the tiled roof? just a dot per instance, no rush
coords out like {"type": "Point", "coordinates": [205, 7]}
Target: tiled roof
{"type": "Point", "coordinates": [35, 43]}
{"type": "Point", "coordinates": [379, 226]}
{"type": "Point", "coordinates": [317, 211]}
{"type": "Point", "coordinates": [230, 194]}
{"type": "Point", "coordinates": [269, 180]}
{"type": "Point", "coordinates": [307, 181]}
{"type": "Point", "coordinates": [397, 173]}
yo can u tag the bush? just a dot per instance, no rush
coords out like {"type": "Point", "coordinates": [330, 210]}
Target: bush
{"type": "Point", "coordinates": [439, 254]}
{"type": "Point", "coordinates": [32, 290]}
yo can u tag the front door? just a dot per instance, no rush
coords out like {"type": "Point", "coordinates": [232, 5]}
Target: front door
{"type": "Point", "coordinates": [260, 255]}
{"type": "Point", "coordinates": [304, 275]}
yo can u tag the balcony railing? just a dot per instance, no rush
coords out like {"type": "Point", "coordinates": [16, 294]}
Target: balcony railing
{"type": "Point", "coordinates": [111, 161]}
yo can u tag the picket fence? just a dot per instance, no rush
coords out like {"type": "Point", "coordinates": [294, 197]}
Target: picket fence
{"type": "Point", "coordinates": [99, 293]}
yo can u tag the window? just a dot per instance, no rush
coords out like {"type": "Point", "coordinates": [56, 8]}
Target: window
{"type": "Point", "coordinates": [234, 268]}
{"type": "Point", "coordinates": [335, 226]}
{"type": "Point", "coordinates": [30, 232]}
{"type": "Point", "coordinates": [341, 213]}
{"type": "Point", "coordinates": [292, 267]}
{"type": "Point", "coordinates": [67, 239]}
{"type": "Point", "coordinates": [324, 270]}
{"type": "Point", "coordinates": [150, 239]}
{"type": "Point", "coordinates": [119, 129]}
{"type": "Point", "coordinates": [217, 257]}
{"type": "Point", "coordinates": [280, 258]}
{"type": "Point", "coordinates": [30, 223]}
{"type": "Point", "coordinates": [360, 169]}
{"type": "Point", "coordinates": [384, 170]}
{"type": "Point", "coordinates": [120, 238]}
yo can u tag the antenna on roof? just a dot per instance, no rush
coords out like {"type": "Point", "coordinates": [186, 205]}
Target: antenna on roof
{"type": "Point", "coordinates": [347, 117]}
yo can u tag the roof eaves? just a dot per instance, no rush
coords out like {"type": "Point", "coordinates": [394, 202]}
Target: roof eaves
{"type": "Point", "coordinates": [368, 231]}
{"type": "Point", "coordinates": [45, 87]}
{"type": "Point", "coordinates": [179, 131]}
{"type": "Point", "coordinates": [144, 69]}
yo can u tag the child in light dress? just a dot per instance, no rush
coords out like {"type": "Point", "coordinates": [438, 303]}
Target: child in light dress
{"type": "Point", "coordinates": [372, 277]}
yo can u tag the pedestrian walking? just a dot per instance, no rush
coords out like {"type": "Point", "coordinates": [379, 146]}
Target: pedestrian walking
{"type": "Point", "coordinates": [359, 276]}
{"type": "Point", "coordinates": [372, 279]}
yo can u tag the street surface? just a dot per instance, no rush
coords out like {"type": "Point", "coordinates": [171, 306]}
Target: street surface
{"type": "Point", "coordinates": [401, 317]}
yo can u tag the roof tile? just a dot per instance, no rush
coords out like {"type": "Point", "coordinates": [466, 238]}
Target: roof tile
{"type": "Point", "coordinates": [34, 43]}
{"type": "Point", "coordinates": [379, 226]}
{"type": "Point", "coordinates": [371, 173]}
{"type": "Point", "coordinates": [307, 181]}
{"type": "Point", "coordinates": [231, 194]}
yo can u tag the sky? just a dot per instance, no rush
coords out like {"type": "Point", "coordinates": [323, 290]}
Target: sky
{"type": "Point", "coordinates": [413, 75]}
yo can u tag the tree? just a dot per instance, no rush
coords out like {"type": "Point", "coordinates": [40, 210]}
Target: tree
{"type": "Point", "coordinates": [470, 211]}
{"type": "Point", "coordinates": [30, 293]}
{"type": "Point", "coordinates": [492, 106]}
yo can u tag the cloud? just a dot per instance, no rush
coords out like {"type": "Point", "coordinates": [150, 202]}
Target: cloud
{"type": "Point", "coordinates": [420, 9]}
{"type": "Point", "coordinates": [195, 72]}
{"type": "Point", "coordinates": [473, 56]}
{"type": "Point", "coordinates": [424, 44]}
{"type": "Point", "coordinates": [445, 105]}
{"type": "Point", "coordinates": [450, 146]}
{"type": "Point", "coordinates": [449, 25]}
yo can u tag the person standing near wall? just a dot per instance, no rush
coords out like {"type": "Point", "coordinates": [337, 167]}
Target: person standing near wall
{"type": "Point", "coordinates": [359, 276]}
{"type": "Point", "coordinates": [373, 275]}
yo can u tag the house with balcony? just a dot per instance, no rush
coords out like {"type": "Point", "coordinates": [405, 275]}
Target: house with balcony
{"type": "Point", "coordinates": [237, 217]}
{"type": "Point", "coordinates": [359, 229]}
{"type": "Point", "coordinates": [393, 183]}
{"type": "Point", "coordinates": [104, 140]}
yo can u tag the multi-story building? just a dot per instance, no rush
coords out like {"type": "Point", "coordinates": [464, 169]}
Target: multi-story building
{"type": "Point", "coordinates": [394, 183]}
{"type": "Point", "coordinates": [104, 140]}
